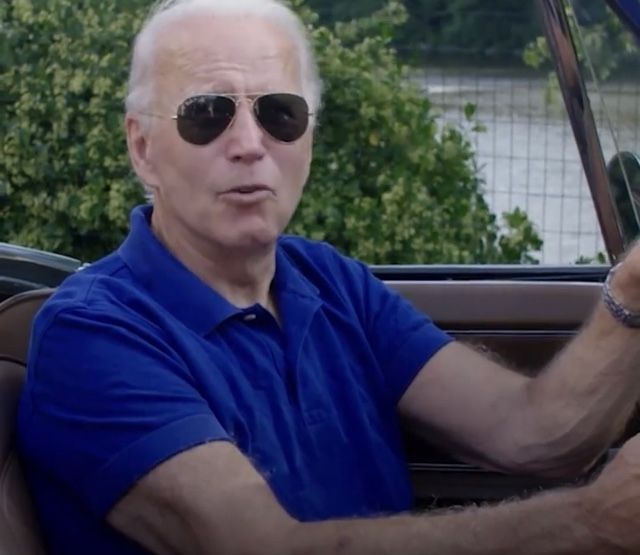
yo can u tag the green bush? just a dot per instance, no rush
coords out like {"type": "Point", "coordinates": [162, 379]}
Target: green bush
{"type": "Point", "coordinates": [387, 184]}
{"type": "Point", "coordinates": [63, 162]}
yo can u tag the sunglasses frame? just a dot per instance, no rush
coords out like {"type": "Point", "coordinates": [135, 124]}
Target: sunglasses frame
{"type": "Point", "coordinates": [237, 99]}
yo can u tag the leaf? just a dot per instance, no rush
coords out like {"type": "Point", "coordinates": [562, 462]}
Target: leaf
{"type": "Point", "coordinates": [469, 110]}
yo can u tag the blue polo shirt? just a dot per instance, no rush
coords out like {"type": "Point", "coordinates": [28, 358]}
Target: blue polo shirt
{"type": "Point", "coordinates": [134, 360]}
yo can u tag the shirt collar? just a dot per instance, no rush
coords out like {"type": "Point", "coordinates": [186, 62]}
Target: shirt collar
{"type": "Point", "coordinates": [288, 279]}
{"type": "Point", "coordinates": [180, 291]}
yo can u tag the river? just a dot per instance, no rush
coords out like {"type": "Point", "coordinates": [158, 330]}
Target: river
{"type": "Point", "coordinates": [527, 155]}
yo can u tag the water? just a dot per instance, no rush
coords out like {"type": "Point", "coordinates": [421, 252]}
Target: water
{"type": "Point", "coordinates": [528, 157]}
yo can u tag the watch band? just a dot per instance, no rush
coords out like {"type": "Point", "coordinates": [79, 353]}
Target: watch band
{"type": "Point", "coordinates": [618, 311]}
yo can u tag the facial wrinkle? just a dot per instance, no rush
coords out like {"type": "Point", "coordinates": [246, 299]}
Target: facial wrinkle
{"type": "Point", "coordinates": [230, 78]}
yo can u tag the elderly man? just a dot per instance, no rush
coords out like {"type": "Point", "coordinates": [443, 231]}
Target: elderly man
{"type": "Point", "coordinates": [212, 387]}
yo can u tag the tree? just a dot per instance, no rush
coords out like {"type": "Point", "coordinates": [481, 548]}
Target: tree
{"type": "Point", "coordinates": [471, 28]}
{"type": "Point", "coordinates": [330, 13]}
{"type": "Point", "coordinates": [387, 184]}
{"type": "Point", "coordinates": [599, 35]}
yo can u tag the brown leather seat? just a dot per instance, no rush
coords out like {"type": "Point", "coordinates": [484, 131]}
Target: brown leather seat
{"type": "Point", "coordinates": [19, 533]}
{"type": "Point", "coordinates": [16, 315]}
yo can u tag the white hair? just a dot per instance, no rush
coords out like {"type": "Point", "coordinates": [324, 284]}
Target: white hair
{"type": "Point", "coordinates": [140, 94]}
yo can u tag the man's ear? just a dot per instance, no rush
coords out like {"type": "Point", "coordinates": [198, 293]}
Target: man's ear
{"type": "Point", "coordinates": [138, 146]}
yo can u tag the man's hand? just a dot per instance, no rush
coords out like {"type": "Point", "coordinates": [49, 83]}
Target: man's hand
{"type": "Point", "coordinates": [612, 502]}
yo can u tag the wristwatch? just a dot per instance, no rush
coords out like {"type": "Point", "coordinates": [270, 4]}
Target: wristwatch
{"type": "Point", "coordinates": [617, 310]}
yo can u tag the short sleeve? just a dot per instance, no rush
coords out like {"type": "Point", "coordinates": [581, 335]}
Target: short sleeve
{"type": "Point", "coordinates": [402, 338]}
{"type": "Point", "coordinates": [106, 401]}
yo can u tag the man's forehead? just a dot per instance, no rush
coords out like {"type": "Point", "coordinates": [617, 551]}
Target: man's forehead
{"type": "Point", "coordinates": [202, 65]}
{"type": "Point", "coordinates": [215, 49]}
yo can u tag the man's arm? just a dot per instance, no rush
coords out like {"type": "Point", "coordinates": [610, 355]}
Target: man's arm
{"type": "Point", "coordinates": [209, 500]}
{"type": "Point", "coordinates": [555, 424]}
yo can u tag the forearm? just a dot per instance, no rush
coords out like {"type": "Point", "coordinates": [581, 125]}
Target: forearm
{"type": "Point", "coordinates": [580, 403]}
{"type": "Point", "coordinates": [549, 524]}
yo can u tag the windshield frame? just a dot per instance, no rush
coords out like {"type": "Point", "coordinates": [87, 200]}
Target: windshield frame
{"type": "Point", "coordinates": [578, 106]}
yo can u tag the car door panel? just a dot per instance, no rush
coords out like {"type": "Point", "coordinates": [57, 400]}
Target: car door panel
{"type": "Point", "coordinates": [523, 324]}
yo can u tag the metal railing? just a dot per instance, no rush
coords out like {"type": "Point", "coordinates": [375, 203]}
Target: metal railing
{"type": "Point", "coordinates": [526, 153]}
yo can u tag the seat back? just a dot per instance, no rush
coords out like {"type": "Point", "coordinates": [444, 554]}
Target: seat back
{"type": "Point", "coordinates": [16, 316]}
{"type": "Point", "coordinates": [19, 534]}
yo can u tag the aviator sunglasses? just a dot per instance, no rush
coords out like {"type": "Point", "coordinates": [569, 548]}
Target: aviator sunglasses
{"type": "Point", "coordinates": [202, 118]}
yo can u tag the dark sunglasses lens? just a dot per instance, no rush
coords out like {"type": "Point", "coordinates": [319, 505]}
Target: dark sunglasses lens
{"type": "Point", "coordinates": [202, 119]}
{"type": "Point", "coordinates": [284, 116]}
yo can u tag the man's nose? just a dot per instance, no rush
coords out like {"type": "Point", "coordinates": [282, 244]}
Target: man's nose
{"type": "Point", "coordinates": [245, 137]}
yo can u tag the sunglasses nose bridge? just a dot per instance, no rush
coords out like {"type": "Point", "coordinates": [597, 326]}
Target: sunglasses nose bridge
{"type": "Point", "coordinates": [250, 103]}
{"type": "Point", "coordinates": [244, 125]}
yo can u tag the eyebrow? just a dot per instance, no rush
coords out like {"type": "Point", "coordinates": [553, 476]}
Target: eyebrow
{"type": "Point", "coordinates": [229, 90]}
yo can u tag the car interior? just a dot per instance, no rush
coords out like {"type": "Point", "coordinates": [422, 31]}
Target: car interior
{"type": "Point", "coordinates": [523, 323]}
{"type": "Point", "coordinates": [18, 526]}
{"type": "Point", "coordinates": [522, 318]}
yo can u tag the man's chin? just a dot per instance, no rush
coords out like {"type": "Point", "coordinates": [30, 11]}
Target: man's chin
{"type": "Point", "coordinates": [253, 240]}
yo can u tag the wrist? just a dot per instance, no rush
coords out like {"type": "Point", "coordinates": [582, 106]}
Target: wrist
{"type": "Point", "coordinates": [620, 298]}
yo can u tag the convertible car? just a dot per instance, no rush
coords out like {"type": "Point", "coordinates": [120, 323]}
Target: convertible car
{"type": "Point", "coordinates": [521, 314]}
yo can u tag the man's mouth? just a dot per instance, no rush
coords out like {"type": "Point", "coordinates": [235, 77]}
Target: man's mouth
{"type": "Point", "coordinates": [249, 193]}
{"type": "Point", "coordinates": [249, 189]}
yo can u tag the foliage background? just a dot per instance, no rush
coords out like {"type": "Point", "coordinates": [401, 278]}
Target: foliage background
{"type": "Point", "coordinates": [387, 184]}
{"type": "Point", "coordinates": [469, 28]}
{"type": "Point", "coordinates": [599, 35]}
